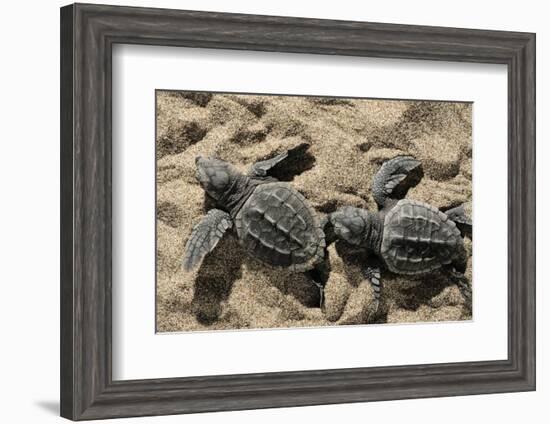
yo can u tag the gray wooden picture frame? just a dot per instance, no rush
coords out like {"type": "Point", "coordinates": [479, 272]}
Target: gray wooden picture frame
{"type": "Point", "coordinates": [88, 33]}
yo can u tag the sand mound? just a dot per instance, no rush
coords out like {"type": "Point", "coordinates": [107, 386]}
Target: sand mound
{"type": "Point", "coordinates": [349, 140]}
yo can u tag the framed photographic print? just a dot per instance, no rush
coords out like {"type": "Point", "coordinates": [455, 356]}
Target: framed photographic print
{"type": "Point", "coordinates": [264, 212]}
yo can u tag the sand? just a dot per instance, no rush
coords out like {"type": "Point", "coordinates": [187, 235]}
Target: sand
{"type": "Point", "coordinates": [350, 139]}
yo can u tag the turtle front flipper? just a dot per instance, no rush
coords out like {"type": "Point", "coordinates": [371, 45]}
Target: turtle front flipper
{"type": "Point", "coordinates": [205, 236]}
{"type": "Point", "coordinates": [463, 285]}
{"type": "Point", "coordinates": [373, 275]}
{"type": "Point", "coordinates": [269, 167]}
{"type": "Point", "coordinates": [394, 178]}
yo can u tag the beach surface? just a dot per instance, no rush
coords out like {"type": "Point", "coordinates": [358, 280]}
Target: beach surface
{"type": "Point", "coordinates": [350, 139]}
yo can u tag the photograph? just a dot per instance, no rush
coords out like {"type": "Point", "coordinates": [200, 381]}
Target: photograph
{"type": "Point", "coordinates": [284, 211]}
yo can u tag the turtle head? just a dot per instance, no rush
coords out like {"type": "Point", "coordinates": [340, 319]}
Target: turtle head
{"type": "Point", "coordinates": [215, 175]}
{"type": "Point", "coordinates": [352, 225]}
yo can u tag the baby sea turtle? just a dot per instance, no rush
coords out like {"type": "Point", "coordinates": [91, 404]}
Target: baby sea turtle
{"type": "Point", "coordinates": [405, 236]}
{"type": "Point", "coordinates": [272, 220]}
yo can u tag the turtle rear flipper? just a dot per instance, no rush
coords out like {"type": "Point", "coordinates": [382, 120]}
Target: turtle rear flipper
{"type": "Point", "coordinates": [394, 178]}
{"type": "Point", "coordinates": [319, 276]}
{"type": "Point", "coordinates": [205, 236]}
{"type": "Point", "coordinates": [464, 286]}
{"type": "Point", "coordinates": [372, 273]}
{"type": "Point", "coordinates": [274, 165]}
{"type": "Point", "coordinates": [462, 221]}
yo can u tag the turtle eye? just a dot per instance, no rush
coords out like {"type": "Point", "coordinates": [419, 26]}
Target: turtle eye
{"type": "Point", "coordinates": [341, 231]}
{"type": "Point", "coordinates": [344, 230]}
{"type": "Point", "coordinates": [202, 177]}
{"type": "Point", "coordinates": [219, 179]}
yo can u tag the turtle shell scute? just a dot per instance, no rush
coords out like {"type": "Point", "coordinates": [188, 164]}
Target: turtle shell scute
{"type": "Point", "coordinates": [419, 238]}
{"type": "Point", "coordinates": [277, 226]}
